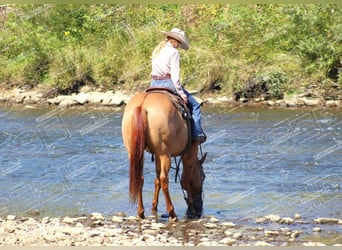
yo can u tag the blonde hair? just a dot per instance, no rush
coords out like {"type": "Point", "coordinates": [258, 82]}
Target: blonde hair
{"type": "Point", "coordinates": [158, 48]}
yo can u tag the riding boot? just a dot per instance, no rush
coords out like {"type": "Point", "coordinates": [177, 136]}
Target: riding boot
{"type": "Point", "coordinates": [197, 132]}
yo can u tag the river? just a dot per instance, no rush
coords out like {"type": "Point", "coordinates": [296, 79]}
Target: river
{"type": "Point", "coordinates": [58, 162]}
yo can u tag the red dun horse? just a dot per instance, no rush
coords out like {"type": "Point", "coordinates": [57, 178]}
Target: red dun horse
{"type": "Point", "coordinates": [151, 122]}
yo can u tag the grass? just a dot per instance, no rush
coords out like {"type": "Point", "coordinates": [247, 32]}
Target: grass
{"type": "Point", "coordinates": [63, 47]}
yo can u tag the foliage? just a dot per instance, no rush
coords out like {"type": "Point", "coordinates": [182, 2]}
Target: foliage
{"type": "Point", "coordinates": [65, 46]}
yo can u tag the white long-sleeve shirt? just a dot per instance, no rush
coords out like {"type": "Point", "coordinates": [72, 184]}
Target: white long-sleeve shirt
{"type": "Point", "coordinates": [168, 63]}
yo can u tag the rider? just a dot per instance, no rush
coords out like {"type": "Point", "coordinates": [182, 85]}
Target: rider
{"type": "Point", "coordinates": [166, 73]}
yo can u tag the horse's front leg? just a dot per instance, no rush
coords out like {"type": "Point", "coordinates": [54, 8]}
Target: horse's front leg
{"type": "Point", "coordinates": [164, 181]}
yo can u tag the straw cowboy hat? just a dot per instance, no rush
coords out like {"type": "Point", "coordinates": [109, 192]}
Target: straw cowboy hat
{"type": "Point", "coordinates": [178, 35]}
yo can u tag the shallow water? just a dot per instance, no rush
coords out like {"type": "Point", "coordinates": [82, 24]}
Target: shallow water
{"type": "Point", "coordinates": [260, 161]}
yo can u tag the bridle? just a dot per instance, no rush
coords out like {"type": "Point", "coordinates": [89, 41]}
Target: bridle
{"type": "Point", "coordinates": [177, 163]}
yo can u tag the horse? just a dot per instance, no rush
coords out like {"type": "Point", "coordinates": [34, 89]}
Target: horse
{"type": "Point", "coordinates": [152, 122]}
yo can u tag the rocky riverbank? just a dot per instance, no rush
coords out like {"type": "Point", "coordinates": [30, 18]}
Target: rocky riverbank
{"type": "Point", "coordinates": [110, 98]}
{"type": "Point", "coordinates": [99, 230]}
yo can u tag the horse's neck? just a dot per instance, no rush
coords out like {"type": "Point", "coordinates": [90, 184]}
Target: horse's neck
{"type": "Point", "coordinates": [190, 156]}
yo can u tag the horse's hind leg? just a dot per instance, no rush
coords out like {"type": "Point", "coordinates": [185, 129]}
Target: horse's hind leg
{"type": "Point", "coordinates": [141, 209]}
{"type": "Point", "coordinates": [156, 188]}
{"type": "Point", "coordinates": [164, 181]}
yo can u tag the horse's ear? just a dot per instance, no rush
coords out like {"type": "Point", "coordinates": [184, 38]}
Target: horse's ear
{"type": "Point", "coordinates": [203, 157]}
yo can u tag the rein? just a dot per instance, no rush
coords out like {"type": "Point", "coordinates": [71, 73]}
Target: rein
{"type": "Point", "coordinates": [177, 163]}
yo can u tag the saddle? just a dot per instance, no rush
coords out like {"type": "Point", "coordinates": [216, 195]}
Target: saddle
{"type": "Point", "coordinates": [175, 98]}
{"type": "Point", "coordinates": [179, 104]}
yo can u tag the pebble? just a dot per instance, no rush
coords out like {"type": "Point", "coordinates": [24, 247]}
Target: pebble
{"type": "Point", "coordinates": [210, 225]}
{"type": "Point", "coordinates": [117, 219]}
{"type": "Point", "coordinates": [286, 220]}
{"type": "Point", "coordinates": [271, 233]}
{"type": "Point", "coordinates": [157, 225]}
{"type": "Point", "coordinates": [295, 234]}
{"type": "Point", "coordinates": [262, 244]}
{"type": "Point", "coordinates": [326, 220]}
{"type": "Point", "coordinates": [237, 235]}
{"type": "Point", "coordinates": [69, 220]}
{"type": "Point", "coordinates": [297, 216]}
{"type": "Point", "coordinates": [317, 229]}
{"type": "Point", "coordinates": [78, 231]}
{"type": "Point", "coordinates": [228, 224]}
{"type": "Point", "coordinates": [213, 220]}
{"type": "Point", "coordinates": [228, 241]}
{"type": "Point", "coordinates": [97, 216]}
{"type": "Point", "coordinates": [228, 233]}
{"type": "Point", "coordinates": [11, 217]}
{"type": "Point", "coordinates": [314, 244]}
{"type": "Point", "coordinates": [272, 217]}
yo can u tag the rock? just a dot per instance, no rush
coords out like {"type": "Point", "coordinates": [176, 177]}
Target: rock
{"type": "Point", "coordinates": [81, 98]}
{"type": "Point", "coordinates": [228, 233]}
{"type": "Point", "coordinates": [286, 220]}
{"type": "Point", "coordinates": [97, 223]}
{"type": "Point", "coordinates": [331, 103]}
{"type": "Point", "coordinates": [260, 220]}
{"type": "Point", "coordinates": [53, 101]}
{"type": "Point", "coordinates": [131, 218]}
{"type": "Point", "coordinates": [280, 103]}
{"type": "Point", "coordinates": [96, 97]}
{"type": "Point", "coordinates": [297, 216]}
{"type": "Point", "coordinates": [228, 241]}
{"type": "Point", "coordinates": [10, 228]}
{"type": "Point", "coordinates": [50, 238]}
{"type": "Point", "coordinates": [262, 244]}
{"type": "Point", "coordinates": [117, 219]}
{"type": "Point", "coordinates": [237, 235]}
{"type": "Point", "coordinates": [11, 217]}
{"type": "Point", "coordinates": [271, 233]}
{"type": "Point", "coordinates": [270, 103]}
{"type": "Point", "coordinates": [213, 220]}
{"type": "Point", "coordinates": [291, 103]}
{"type": "Point", "coordinates": [295, 234]}
{"type": "Point", "coordinates": [65, 103]}
{"type": "Point", "coordinates": [314, 244]}
{"type": "Point", "coordinates": [31, 222]}
{"type": "Point", "coordinates": [210, 225]}
{"type": "Point", "coordinates": [317, 229]}
{"type": "Point", "coordinates": [228, 224]}
{"type": "Point", "coordinates": [311, 102]}
{"type": "Point", "coordinates": [69, 220]}
{"type": "Point", "coordinates": [326, 220]}
{"type": "Point", "coordinates": [204, 239]}
{"type": "Point", "coordinates": [97, 216]}
{"type": "Point", "coordinates": [272, 217]}
{"type": "Point", "coordinates": [94, 233]}
{"type": "Point", "coordinates": [157, 226]}
{"type": "Point", "coordinates": [149, 231]}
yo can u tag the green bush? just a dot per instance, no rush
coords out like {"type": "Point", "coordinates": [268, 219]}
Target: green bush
{"type": "Point", "coordinates": [65, 46]}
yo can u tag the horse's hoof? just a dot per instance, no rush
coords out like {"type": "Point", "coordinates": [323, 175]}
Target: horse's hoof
{"type": "Point", "coordinates": [173, 220]}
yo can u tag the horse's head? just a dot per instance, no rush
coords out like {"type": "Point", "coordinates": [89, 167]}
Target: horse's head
{"type": "Point", "coordinates": [192, 181]}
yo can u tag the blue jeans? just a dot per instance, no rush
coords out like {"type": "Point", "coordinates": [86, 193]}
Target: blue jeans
{"type": "Point", "coordinates": [194, 106]}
